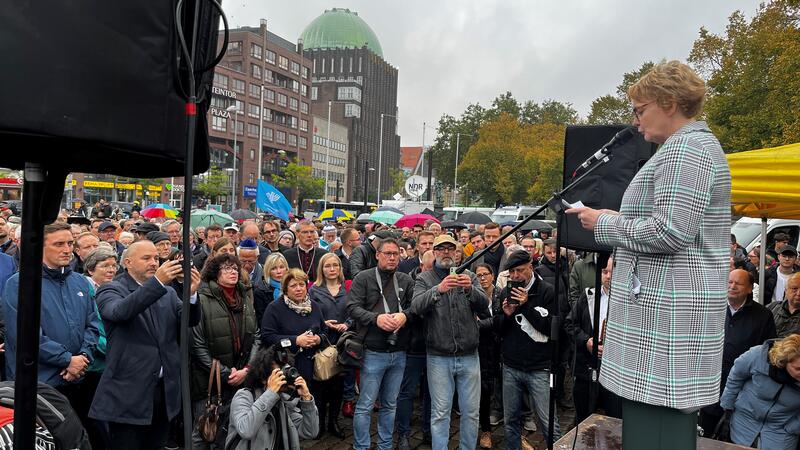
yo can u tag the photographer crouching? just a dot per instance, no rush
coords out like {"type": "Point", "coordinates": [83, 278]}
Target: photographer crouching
{"type": "Point", "coordinates": [274, 409]}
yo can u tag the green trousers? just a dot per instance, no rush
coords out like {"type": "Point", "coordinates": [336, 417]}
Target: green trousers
{"type": "Point", "coordinates": [648, 427]}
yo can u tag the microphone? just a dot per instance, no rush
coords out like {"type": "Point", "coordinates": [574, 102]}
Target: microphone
{"type": "Point", "coordinates": [620, 138]}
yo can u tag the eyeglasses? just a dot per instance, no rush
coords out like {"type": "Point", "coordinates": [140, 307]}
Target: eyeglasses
{"type": "Point", "coordinates": [639, 110]}
{"type": "Point", "coordinates": [270, 231]}
{"type": "Point", "coordinates": [482, 275]}
{"type": "Point", "coordinates": [228, 269]}
{"type": "Point", "coordinates": [445, 249]}
{"type": "Point", "coordinates": [391, 254]}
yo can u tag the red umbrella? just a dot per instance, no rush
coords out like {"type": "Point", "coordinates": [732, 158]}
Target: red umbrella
{"type": "Point", "coordinates": [410, 220]}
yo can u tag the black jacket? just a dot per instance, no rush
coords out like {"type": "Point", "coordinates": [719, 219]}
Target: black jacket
{"type": "Point", "coordinates": [293, 261]}
{"type": "Point", "coordinates": [750, 326]}
{"type": "Point", "coordinates": [519, 350]}
{"type": "Point", "coordinates": [362, 258]}
{"type": "Point", "coordinates": [770, 281]}
{"type": "Point", "coordinates": [345, 262]}
{"type": "Point", "coordinates": [364, 305]}
{"type": "Point", "coordinates": [408, 265]}
{"type": "Point", "coordinates": [451, 319]}
{"type": "Point", "coordinates": [142, 324]}
{"type": "Point", "coordinates": [263, 295]}
{"type": "Point", "coordinates": [580, 326]}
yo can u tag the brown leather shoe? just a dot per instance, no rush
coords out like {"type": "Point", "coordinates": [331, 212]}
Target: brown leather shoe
{"type": "Point", "coordinates": [486, 439]}
{"type": "Point", "coordinates": [525, 445]}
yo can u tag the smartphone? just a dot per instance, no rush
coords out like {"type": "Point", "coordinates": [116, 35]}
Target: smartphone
{"type": "Point", "coordinates": [512, 285]}
{"type": "Point", "coordinates": [454, 271]}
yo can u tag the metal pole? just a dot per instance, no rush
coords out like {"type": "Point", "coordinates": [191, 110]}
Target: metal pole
{"type": "Point", "coordinates": [260, 137]}
{"type": "Point", "coordinates": [327, 155]}
{"type": "Point", "coordinates": [455, 180]}
{"type": "Point", "coordinates": [234, 204]}
{"type": "Point", "coordinates": [380, 154]}
{"type": "Point", "coordinates": [366, 165]}
{"type": "Point", "coordinates": [422, 155]}
{"type": "Point", "coordinates": [762, 260]}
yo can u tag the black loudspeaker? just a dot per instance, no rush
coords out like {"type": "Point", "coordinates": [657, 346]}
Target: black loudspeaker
{"type": "Point", "coordinates": [603, 188]}
{"type": "Point", "coordinates": [94, 85]}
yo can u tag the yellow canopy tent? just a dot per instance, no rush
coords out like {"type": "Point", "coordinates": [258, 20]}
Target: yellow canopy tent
{"type": "Point", "coordinates": [766, 184]}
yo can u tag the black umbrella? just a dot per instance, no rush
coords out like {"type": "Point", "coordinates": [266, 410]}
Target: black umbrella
{"type": "Point", "coordinates": [475, 217]}
{"type": "Point", "coordinates": [536, 225]}
{"type": "Point", "coordinates": [390, 208]}
{"type": "Point", "coordinates": [430, 212]}
{"type": "Point", "coordinates": [241, 215]}
{"type": "Point", "coordinates": [452, 224]}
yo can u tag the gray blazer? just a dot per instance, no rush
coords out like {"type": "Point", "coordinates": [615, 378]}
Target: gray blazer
{"type": "Point", "coordinates": [254, 422]}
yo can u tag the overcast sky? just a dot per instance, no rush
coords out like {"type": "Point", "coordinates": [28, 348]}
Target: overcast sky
{"type": "Point", "coordinates": [451, 53]}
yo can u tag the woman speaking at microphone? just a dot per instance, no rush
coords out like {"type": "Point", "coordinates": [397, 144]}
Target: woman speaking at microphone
{"type": "Point", "coordinates": [665, 334]}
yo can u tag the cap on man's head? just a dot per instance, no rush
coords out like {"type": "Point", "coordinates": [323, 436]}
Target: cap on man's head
{"type": "Point", "coordinates": [106, 225]}
{"type": "Point", "coordinates": [517, 259]}
{"type": "Point", "coordinates": [157, 236]}
{"type": "Point", "coordinates": [145, 227]}
{"type": "Point", "coordinates": [328, 228]}
{"type": "Point", "coordinates": [231, 226]}
{"type": "Point", "coordinates": [788, 249]}
{"type": "Point", "coordinates": [444, 239]}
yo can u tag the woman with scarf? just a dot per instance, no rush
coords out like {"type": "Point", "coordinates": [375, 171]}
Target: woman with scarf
{"type": "Point", "coordinates": [268, 289]}
{"type": "Point", "coordinates": [226, 332]}
{"type": "Point", "coordinates": [329, 293]}
{"type": "Point", "coordinates": [294, 322]}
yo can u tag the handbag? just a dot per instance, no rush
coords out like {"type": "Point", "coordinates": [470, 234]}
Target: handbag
{"type": "Point", "coordinates": [326, 364]}
{"type": "Point", "coordinates": [208, 423]}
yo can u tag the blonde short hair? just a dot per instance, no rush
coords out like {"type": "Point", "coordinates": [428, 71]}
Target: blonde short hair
{"type": "Point", "coordinates": [670, 82]}
{"type": "Point", "coordinates": [273, 260]}
{"type": "Point", "coordinates": [785, 351]}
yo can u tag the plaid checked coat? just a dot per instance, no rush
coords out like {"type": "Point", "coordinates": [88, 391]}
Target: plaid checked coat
{"type": "Point", "coordinates": [664, 345]}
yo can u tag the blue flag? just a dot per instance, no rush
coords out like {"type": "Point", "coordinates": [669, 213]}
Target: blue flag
{"type": "Point", "coordinates": [270, 199]}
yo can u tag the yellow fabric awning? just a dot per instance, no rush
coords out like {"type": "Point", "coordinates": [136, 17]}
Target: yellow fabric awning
{"type": "Point", "coordinates": [766, 182]}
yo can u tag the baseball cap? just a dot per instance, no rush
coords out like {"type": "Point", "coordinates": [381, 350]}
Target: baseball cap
{"type": "Point", "coordinates": [106, 225]}
{"type": "Point", "coordinates": [444, 239]}
{"type": "Point", "coordinates": [231, 226]}
{"type": "Point", "coordinates": [788, 249]}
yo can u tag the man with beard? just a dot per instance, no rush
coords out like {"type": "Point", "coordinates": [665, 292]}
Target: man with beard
{"type": "Point", "coordinates": [449, 304]}
{"type": "Point", "coordinates": [7, 246]}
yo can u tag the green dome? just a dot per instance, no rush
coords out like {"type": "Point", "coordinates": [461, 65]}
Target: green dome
{"type": "Point", "coordinates": [340, 28]}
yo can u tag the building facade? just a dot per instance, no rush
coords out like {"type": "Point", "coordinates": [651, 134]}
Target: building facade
{"type": "Point", "coordinates": [329, 158]}
{"type": "Point", "coordinates": [266, 82]}
{"type": "Point", "coordinates": [348, 69]}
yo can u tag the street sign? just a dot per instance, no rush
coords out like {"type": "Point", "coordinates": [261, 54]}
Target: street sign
{"type": "Point", "coordinates": [416, 186]}
{"type": "Point", "coordinates": [249, 191]}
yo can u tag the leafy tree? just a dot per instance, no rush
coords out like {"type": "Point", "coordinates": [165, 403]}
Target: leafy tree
{"type": "Point", "coordinates": [752, 75]}
{"type": "Point", "coordinates": [398, 180]}
{"type": "Point", "coordinates": [213, 185]}
{"type": "Point", "coordinates": [550, 111]}
{"type": "Point", "coordinates": [299, 178]}
{"type": "Point", "coordinates": [616, 108]}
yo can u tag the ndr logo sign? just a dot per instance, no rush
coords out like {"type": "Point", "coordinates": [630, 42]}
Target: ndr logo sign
{"type": "Point", "coordinates": [416, 186]}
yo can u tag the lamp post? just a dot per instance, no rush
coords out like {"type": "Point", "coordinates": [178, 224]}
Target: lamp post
{"type": "Point", "coordinates": [455, 179]}
{"type": "Point", "coordinates": [366, 174]}
{"type": "Point", "coordinates": [328, 153]}
{"type": "Point", "coordinates": [232, 108]}
{"type": "Point", "coordinates": [380, 155]}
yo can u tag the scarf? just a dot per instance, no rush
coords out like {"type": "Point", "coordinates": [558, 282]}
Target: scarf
{"type": "Point", "coordinates": [232, 298]}
{"type": "Point", "coordinates": [276, 293]}
{"type": "Point", "coordinates": [235, 308]}
{"type": "Point", "coordinates": [303, 308]}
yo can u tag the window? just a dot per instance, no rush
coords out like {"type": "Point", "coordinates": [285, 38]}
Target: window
{"type": "Point", "coordinates": [295, 68]}
{"type": "Point", "coordinates": [293, 104]}
{"type": "Point", "coordinates": [255, 90]}
{"type": "Point", "coordinates": [282, 99]}
{"type": "Point", "coordinates": [252, 129]}
{"type": "Point", "coordinates": [280, 137]}
{"type": "Point", "coordinates": [235, 48]}
{"type": "Point", "coordinates": [267, 134]}
{"type": "Point", "coordinates": [269, 76]}
{"type": "Point", "coordinates": [219, 102]}
{"type": "Point", "coordinates": [251, 177]}
{"type": "Point", "coordinates": [239, 127]}
{"type": "Point", "coordinates": [267, 115]}
{"type": "Point", "coordinates": [271, 57]}
{"type": "Point", "coordinates": [269, 95]}
{"type": "Point", "coordinates": [349, 93]}
{"type": "Point", "coordinates": [235, 65]}
{"type": "Point", "coordinates": [306, 71]}
{"type": "Point", "coordinates": [341, 64]}
{"type": "Point", "coordinates": [352, 110]}
{"type": "Point", "coordinates": [323, 66]}
{"type": "Point", "coordinates": [253, 110]}
{"type": "Point", "coordinates": [314, 93]}
{"type": "Point", "coordinates": [239, 86]}
{"type": "Point", "coordinates": [292, 122]}
{"type": "Point", "coordinates": [351, 65]}
{"type": "Point", "coordinates": [303, 125]}
{"type": "Point", "coordinates": [221, 81]}
{"type": "Point", "coordinates": [283, 62]}
{"type": "Point", "coordinates": [303, 142]}
{"type": "Point", "coordinates": [239, 106]}
{"type": "Point", "coordinates": [359, 64]}
{"type": "Point", "coordinates": [219, 123]}
{"type": "Point", "coordinates": [256, 51]}
{"type": "Point", "coordinates": [295, 86]}
{"type": "Point", "coordinates": [304, 107]}
{"type": "Point", "coordinates": [293, 140]}
{"type": "Point", "coordinates": [304, 90]}
{"type": "Point", "coordinates": [255, 70]}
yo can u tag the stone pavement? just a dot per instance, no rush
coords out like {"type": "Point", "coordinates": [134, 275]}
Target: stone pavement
{"type": "Point", "coordinates": [566, 420]}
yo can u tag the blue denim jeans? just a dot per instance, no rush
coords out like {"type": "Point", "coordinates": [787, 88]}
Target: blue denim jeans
{"type": "Point", "coordinates": [460, 374]}
{"type": "Point", "coordinates": [349, 387]}
{"type": "Point", "coordinates": [381, 374]}
{"type": "Point", "coordinates": [515, 383]}
{"type": "Point", "coordinates": [414, 375]}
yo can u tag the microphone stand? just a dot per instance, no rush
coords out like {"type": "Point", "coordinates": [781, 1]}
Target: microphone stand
{"type": "Point", "coordinates": [555, 203]}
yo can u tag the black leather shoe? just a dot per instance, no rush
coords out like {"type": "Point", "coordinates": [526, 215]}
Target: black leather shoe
{"type": "Point", "coordinates": [335, 431]}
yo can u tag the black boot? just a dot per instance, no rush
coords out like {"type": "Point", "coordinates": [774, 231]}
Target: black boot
{"type": "Point", "coordinates": [321, 427]}
{"type": "Point", "coordinates": [334, 430]}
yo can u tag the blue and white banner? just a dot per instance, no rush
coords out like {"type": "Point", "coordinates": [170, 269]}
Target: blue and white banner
{"type": "Point", "coordinates": [270, 199]}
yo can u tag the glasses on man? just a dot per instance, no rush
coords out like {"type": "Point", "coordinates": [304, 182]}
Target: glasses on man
{"type": "Point", "coordinates": [445, 249]}
{"type": "Point", "coordinates": [391, 254]}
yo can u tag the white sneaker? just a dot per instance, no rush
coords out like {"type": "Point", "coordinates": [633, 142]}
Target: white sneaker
{"type": "Point", "coordinates": [494, 420]}
{"type": "Point", "coordinates": [530, 425]}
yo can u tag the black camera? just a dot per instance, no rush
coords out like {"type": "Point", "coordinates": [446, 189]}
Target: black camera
{"type": "Point", "coordinates": [283, 359]}
{"type": "Point", "coordinates": [392, 339]}
{"type": "Point", "coordinates": [290, 374]}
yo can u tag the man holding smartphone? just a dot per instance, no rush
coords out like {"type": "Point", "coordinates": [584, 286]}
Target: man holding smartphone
{"type": "Point", "coordinates": [524, 328]}
{"type": "Point", "coordinates": [449, 303]}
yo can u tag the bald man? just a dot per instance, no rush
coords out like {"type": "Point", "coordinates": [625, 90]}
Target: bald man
{"type": "Point", "coordinates": [139, 392]}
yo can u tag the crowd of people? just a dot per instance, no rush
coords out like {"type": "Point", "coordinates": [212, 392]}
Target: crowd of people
{"type": "Point", "coordinates": [266, 295]}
